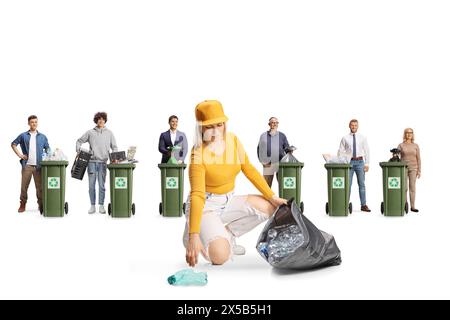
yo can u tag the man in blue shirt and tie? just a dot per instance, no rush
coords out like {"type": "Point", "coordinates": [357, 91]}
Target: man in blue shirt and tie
{"type": "Point", "coordinates": [355, 146]}
{"type": "Point", "coordinates": [32, 144]}
{"type": "Point", "coordinates": [171, 138]}
{"type": "Point", "coordinates": [271, 149]}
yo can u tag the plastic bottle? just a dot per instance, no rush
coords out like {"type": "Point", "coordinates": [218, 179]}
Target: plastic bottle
{"type": "Point", "coordinates": [188, 277]}
{"type": "Point", "coordinates": [272, 233]}
{"type": "Point", "coordinates": [262, 248]}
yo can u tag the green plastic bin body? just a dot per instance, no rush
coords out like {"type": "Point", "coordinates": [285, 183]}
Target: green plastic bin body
{"type": "Point", "coordinates": [289, 181]}
{"type": "Point", "coordinates": [53, 175]}
{"type": "Point", "coordinates": [121, 185]}
{"type": "Point", "coordinates": [394, 189]}
{"type": "Point", "coordinates": [338, 204]}
{"type": "Point", "coordinates": [172, 185]}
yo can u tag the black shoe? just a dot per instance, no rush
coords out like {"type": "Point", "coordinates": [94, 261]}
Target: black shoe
{"type": "Point", "coordinates": [414, 210]}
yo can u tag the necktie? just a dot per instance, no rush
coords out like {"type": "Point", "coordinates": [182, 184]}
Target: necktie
{"type": "Point", "coordinates": [354, 145]}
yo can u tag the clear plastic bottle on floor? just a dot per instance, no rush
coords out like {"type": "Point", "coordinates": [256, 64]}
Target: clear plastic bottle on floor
{"type": "Point", "coordinates": [188, 277]}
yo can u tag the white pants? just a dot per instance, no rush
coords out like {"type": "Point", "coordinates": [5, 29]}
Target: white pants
{"type": "Point", "coordinates": [225, 216]}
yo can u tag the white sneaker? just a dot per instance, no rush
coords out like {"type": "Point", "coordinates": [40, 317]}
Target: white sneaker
{"type": "Point", "coordinates": [92, 210]}
{"type": "Point", "coordinates": [101, 209]}
{"type": "Point", "coordinates": [237, 249]}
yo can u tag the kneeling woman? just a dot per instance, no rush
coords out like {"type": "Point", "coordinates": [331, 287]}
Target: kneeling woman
{"type": "Point", "coordinates": [215, 217]}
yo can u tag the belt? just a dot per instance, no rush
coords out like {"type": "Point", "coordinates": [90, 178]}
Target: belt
{"type": "Point", "coordinates": [358, 158]}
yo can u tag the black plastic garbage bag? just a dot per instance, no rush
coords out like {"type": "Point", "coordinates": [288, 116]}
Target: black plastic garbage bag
{"type": "Point", "coordinates": [290, 241]}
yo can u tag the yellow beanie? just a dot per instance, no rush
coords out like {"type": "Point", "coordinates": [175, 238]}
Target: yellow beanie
{"type": "Point", "coordinates": [210, 112]}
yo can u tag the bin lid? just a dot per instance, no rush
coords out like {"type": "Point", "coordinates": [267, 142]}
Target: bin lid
{"type": "Point", "coordinates": [168, 165]}
{"type": "Point", "coordinates": [393, 164]}
{"type": "Point", "coordinates": [338, 166]}
{"type": "Point", "coordinates": [121, 166]}
{"type": "Point", "coordinates": [54, 163]}
{"type": "Point", "coordinates": [291, 164]}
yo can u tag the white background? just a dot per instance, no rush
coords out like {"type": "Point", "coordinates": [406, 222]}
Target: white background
{"type": "Point", "coordinates": [313, 64]}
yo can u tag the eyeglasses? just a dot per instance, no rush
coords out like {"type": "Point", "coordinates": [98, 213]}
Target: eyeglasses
{"type": "Point", "coordinates": [273, 122]}
{"type": "Point", "coordinates": [409, 132]}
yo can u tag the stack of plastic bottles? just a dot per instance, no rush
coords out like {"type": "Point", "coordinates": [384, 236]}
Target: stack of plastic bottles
{"type": "Point", "coordinates": [340, 159]}
{"type": "Point", "coordinates": [281, 242]}
{"type": "Point", "coordinates": [56, 155]}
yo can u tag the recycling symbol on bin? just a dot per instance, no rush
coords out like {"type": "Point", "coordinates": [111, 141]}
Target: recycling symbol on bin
{"type": "Point", "coordinates": [338, 183]}
{"type": "Point", "coordinates": [121, 183]}
{"type": "Point", "coordinates": [394, 183]}
{"type": "Point", "coordinates": [53, 183]}
{"type": "Point", "coordinates": [172, 183]}
{"type": "Point", "coordinates": [289, 183]}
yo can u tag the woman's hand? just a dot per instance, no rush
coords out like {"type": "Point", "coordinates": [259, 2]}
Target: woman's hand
{"type": "Point", "coordinates": [419, 175]}
{"type": "Point", "coordinates": [23, 157]}
{"type": "Point", "coordinates": [276, 202]}
{"type": "Point", "coordinates": [194, 247]}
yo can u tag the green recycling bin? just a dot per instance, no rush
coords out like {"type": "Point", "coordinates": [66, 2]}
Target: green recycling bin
{"type": "Point", "coordinates": [121, 185]}
{"type": "Point", "coordinates": [172, 185]}
{"type": "Point", "coordinates": [53, 174]}
{"type": "Point", "coordinates": [289, 181]}
{"type": "Point", "coordinates": [338, 204]}
{"type": "Point", "coordinates": [394, 189]}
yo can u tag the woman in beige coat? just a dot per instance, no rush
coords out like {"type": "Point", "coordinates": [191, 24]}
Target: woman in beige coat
{"type": "Point", "coordinates": [410, 152]}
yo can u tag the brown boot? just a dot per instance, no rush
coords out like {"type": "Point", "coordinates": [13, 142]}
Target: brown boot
{"type": "Point", "coordinates": [22, 207]}
{"type": "Point", "coordinates": [365, 209]}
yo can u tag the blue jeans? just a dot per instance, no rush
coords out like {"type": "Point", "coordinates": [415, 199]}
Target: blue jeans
{"type": "Point", "coordinates": [97, 171]}
{"type": "Point", "coordinates": [358, 168]}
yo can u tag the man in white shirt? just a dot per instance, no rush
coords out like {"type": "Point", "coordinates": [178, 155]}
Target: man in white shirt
{"type": "Point", "coordinates": [32, 144]}
{"type": "Point", "coordinates": [355, 147]}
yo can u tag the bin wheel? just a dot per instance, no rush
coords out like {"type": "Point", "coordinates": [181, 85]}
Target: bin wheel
{"type": "Point", "coordinates": [109, 209]}
{"type": "Point", "coordinates": [302, 207]}
{"type": "Point", "coordinates": [382, 208]}
{"type": "Point", "coordinates": [350, 208]}
{"type": "Point", "coordinates": [133, 209]}
{"type": "Point", "coordinates": [327, 209]}
{"type": "Point", "coordinates": [160, 208]}
{"type": "Point", "coordinates": [66, 208]}
{"type": "Point", "coordinates": [184, 208]}
{"type": "Point", "coordinates": [407, 207]}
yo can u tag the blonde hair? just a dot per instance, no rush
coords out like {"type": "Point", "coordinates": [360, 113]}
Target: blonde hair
{"type": "Point", "coordinates": [198, 135]}
{"type": "Point", "coordinates": [404, 135]}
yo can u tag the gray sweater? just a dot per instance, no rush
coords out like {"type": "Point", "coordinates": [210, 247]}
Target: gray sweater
{"type": "Point", "coordinates": [101, 141]}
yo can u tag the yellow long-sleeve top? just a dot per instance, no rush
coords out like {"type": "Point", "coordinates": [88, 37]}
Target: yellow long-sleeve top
{"type": "Point", "coordinates": [216, 174]}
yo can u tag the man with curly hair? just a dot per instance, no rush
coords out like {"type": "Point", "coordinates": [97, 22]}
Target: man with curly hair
{"type": "Point", "coordinates": [101, 141]}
